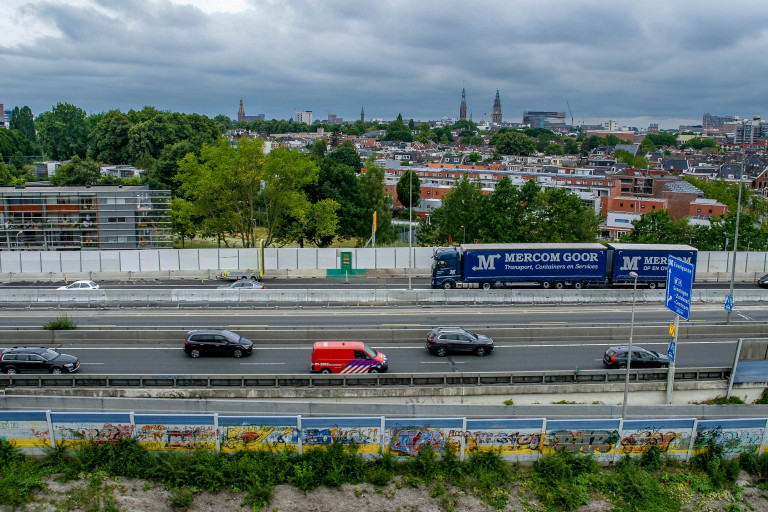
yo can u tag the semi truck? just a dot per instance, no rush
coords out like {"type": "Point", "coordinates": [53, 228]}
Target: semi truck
{"type": "Point", "coordinates": [554, 265]}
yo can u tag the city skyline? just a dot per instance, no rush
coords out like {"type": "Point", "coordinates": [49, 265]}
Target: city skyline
{"type": "Point", "coordinates": [652, 62]}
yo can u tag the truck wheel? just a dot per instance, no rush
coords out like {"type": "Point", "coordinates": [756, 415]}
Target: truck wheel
{"type": "Point", "coordinates": [578, 285]}
{"type": "Point", "coordinates": [373, 370]}
{"type": "Point", "coordinates": [487, 286]}
{"type": "Point", "coordinates": [652, 285]}
{"type": "Point", "coordinates": [447, 285]}
{"type": "Point", "coordinates": [254, 278]}
{"type": "Point", "coordinates": [559, 285]}
{"type": "Point", "coordinates": [546, 285]}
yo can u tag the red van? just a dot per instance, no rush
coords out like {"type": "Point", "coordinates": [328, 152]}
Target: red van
{"type": "Point", "coordinates": [346, 357]}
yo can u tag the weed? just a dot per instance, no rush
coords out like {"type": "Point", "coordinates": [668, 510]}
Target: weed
{"type": "Point", "coordinates": [509, 402]}
{"type": "Point", "coordinates": [564, 402]}
{"type": "Point", "coordinates": [763, 397]}
{"type": "Point", "coordinates": [721, 400]}
{"type": "Point", "coordinates": [60, 323]}
{"type": "Point", "coordinates": [181, 498]}
{"type": "Point", "coordinates": [97, 495]}
{"type": "Point", "coordinates": [651, 459]}
{"type": "Point", "coordinates": [560, 481]}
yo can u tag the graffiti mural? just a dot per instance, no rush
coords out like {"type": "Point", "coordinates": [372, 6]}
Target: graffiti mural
{"type": "Point", "coordinates": [736, 436]}
{"type": "Point", "coordinates": [26, 429]}
{"type": "Point", "coordinates": [70, 435]}
{"type": "Point", "coordinates": [585, 442]}
{"type": "Point", "coordinates": [363, 432]}
{"type": "Point", "coordinates": [507, 442]}
{"type": "Point", "coordinates": [259, 437]}
{"type": "Point", "coordinates": [176, 437]}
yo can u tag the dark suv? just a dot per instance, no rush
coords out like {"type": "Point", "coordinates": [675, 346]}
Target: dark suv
{"type": "Point", "coordinates": [616, 357]}
{"type": "Point", "coordinates": [442, 340]}
{"type": "Point", "coordinates": [36, 359]}
{"type": "Point", "coordinates": [216, 342]}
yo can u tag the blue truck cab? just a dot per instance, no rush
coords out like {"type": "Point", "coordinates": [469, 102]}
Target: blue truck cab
{"type": "Point", "coordinates": [446, 268]}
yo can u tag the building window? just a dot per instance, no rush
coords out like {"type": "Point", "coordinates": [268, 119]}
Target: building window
{"type": "Point", "coordinates": [710, 211]}
{"type": "Point", "coordinates": [642, 206]}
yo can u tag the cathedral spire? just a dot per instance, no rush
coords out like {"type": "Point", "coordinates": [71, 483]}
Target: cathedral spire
{"type": "Point", "coordinates": [241, 112]}
{"type": "Point", "coordinates": [463, 106]}
{"type": "Point", "coordinates": [496, 116]}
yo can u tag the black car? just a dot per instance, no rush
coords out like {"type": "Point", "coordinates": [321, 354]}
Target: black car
{"type": "Point", "coordinates": [763, 281]}
{"type": "Point", "coordinates": [36, 359]}
{"type": "Point", "coordinates": [442, 340]}
{"type": "Point", "coordinates": [217, 342]}
{"type": "Point", "coordinates": [616, 357]}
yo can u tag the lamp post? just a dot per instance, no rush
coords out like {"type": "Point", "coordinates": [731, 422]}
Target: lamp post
{"type": "Point", "coordinates": [410, 225]}
{"type": "Point", "coordinates": [633, 275]}
{"type": "Point", "coordinates": [464, 236]}
{"type": "Point", "coordinates": [735, 244]}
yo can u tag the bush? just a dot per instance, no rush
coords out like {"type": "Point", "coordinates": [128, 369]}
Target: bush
{"type": "Point", "coordinates": [721, 471]}
{"type": "Point", "coordinates": [639, 489]}
{"type": "Point", "coordinates": [561, 480]}
{"type": "Point", "coordinates": [60, 323]}
{"type": "Point", "coordinates": [651, 459]}
{"type": "Point", "coordinates": [763, 397]}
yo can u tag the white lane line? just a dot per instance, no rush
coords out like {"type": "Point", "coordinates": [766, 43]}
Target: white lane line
{"type": "Point", "coordinates": [81, 364]}
{"type": "Point", "coordinates": [442, 362]}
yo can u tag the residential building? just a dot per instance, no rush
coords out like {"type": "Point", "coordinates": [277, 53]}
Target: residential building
{"type": "Point", "coordinates": [303, 117]}
{"type": "Point", "coordinates": [46, 169]}
{"type": "Point", "coordinates": [121, 171]}
{"type": "Point", "coordinates": [712, 121]}
{"type": "Point", "coordinates": [39, 217]}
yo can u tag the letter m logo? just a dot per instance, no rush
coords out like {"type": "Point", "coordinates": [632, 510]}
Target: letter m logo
{"type": "Point", "coordinates": [630, 263]}
{"type": "Point", "coordinates": [486, 262]}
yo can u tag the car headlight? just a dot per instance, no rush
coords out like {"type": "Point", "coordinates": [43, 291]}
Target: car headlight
{"type": "Point", "coordinates": [69, 365]}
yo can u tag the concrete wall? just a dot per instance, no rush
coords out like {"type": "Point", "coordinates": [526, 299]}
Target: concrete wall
{"type": "Point", "coordinates": [284, 261]}
{"type": "Point", "coordinates": [518, 439]}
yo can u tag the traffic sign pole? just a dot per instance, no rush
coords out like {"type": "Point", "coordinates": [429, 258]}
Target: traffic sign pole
{"type": "Point", "coordinates": [671, 368]}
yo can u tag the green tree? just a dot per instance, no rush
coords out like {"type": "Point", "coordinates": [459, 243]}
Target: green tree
{"type": "Point", "coordinates": [15, 144]}
{"type": "Point", "coordinates": [7, 179]}
{"type": "Point", "coordinates": [340, 183]}
{"type": "Point", "coordinates": [648, 146]}
{"type": "Point", "coordinates": [398, 131]}
{"type": "Point", "coordinates": [63, 132]}
{"type": "Point", "coordinates": [553, 148]}
{"type": "Point", "coordinates": [183, 213]}
{"type": "Point", "coordinates": [23, 120]}
{"type": "Point", "coordinates": [590, 143]}
{"type": "Point", "coordinates": [661, 139]}
{"type": "Point", "coordinates": [460, 218]}
{"type": "Point", "coordinates": [504, 216]}
{"type": "Point", "coordinates": [514, 143]}
{"type": "Point", "coordinates": [473, 157]}
{"type": "Point", "coordinates": [699, 143]}
{"type": "Point", "coordinates": [564, 218]}
{"type": "Point", "coordinates": [77, 172]}
{"type": "Point", "coordinates": [376, 200]}
{"type": "Point", "coordinates": [347, 154]}
{"type": "Point", "coordinates": [223, 123]}
{"type": "Point", "coordinates": [409, 189]}
{"type": "Point", "coordinates": [656, 227]}
{"type": "Point", "coordinates": [571, 146]}
{"type": "Point", "coordinates": [109, 138]}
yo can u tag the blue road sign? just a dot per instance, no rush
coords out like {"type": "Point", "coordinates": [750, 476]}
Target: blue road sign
{"type": "Point", "coordinates": [671, 350]}
{"type": "Point", "coordinates": [729, 303]}
{"type": "Point", "coordinates": [679, 286]}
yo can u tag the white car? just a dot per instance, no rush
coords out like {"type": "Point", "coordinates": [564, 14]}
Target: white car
{"type": "Point", "coordinates": [244, 284]}
{"type": "Point", "coordinates": [80, 285]}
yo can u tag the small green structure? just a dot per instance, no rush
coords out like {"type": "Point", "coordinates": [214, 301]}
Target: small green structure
{"type": "Point", "coordinates": [346, 269]}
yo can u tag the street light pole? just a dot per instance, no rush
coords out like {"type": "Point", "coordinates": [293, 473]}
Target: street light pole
{"type": "Point", "coordinates": [735, 245]}
{"type": "Point", "coordinates": [464, 236]}
{"type": "Point", "coordinates": [410, 225]}
{"type": "Point", "coordinates": [629, 350]}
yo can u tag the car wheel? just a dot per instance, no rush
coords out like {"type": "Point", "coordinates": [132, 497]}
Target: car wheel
{"type": "Point", "coordinates": [481, 351]}
{"type": "Point", "coordinates": [487, 286]}
{"type": "Point", "coordinates": [325, 370]}
{"type": "Point", "coordinates": [664, 365]}
{"type": "Point", "coordinates": [11, 371]}
{"type": "Point", "coordinates": [578, 285]}
{"type": "Point", "coordinates": [56, 371]}
{"type": "Point", "coordinates": [559, 285]}
{"type": "Point", "coordinates": [373, 370]}
{"type": "Point", "coordinates": [622, 367]}
{"type": "Point", "coordinates": [441, 351]}
{"type": "Point", "coordinates": [447, 285]}
{"type": "Point", "coordinates": [652, 286]}
{"type": "Point", "coordinates": [237, 353]}
{"type": "Point", "coordinates": [194, 353]}
{"type": "Point", "coordinates": [546, 285]}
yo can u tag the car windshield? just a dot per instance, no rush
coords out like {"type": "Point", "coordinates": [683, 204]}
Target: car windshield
{"type": "Point", "coordinates": [368, 350]}
{"type": "Point", "coordinates": [50, 354]}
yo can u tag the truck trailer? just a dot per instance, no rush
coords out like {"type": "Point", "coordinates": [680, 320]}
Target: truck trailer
{"type": "Point", "coordinates": [554, 265]}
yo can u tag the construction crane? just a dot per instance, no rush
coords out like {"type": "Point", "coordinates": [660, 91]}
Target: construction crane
{"type": "Point", "coordinates": [569, 111]}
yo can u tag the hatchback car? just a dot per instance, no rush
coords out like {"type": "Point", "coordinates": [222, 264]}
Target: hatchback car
{"type": "Point", "coordinates": [763, 281]}
{"type": "Point", "coordinates": [442, 340]}
{"type": "Point", "coordinates": [80, 285]}
{"type": "Point", "coordinates": [243, 284]}
{"type": "Point", "coordinates": [36, 359]}
{"type": "Point", "coordinates": [216, 342]}
{"type": "Point", "coordinates": [616, 357]}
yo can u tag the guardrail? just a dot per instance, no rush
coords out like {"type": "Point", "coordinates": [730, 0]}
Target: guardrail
{"type": "Point", "coordinates": [368, 380]}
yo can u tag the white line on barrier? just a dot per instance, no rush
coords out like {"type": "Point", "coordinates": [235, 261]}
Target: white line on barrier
{"type": "Point", "coordinates": [261, 363]}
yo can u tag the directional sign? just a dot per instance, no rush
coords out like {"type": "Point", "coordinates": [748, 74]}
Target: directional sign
{"type": "Point", "coordinates": [679, 286]}
{"type": "Point", "coordinates": [729, 303]}
{"type": "Point", "coordinates": [671, 350]}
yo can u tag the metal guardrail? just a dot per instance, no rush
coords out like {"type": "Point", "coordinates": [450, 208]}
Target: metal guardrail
{"type": "Point", "coordinates": [559, 377]}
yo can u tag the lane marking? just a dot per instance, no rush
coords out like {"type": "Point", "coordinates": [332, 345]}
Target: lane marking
{"type": "Point", "coordinates": [252, 364]}
{"type": "Point", "coordinates": [81, 364]}
{"type": "Point", "coordinates": [443, 362]}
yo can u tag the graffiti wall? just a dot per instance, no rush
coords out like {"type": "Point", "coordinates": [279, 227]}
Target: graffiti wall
{"type": "Point", "coordinates": [518, 438]}
{"type": "Point", "coordinates": [524, 439]}
{"type": "Point", "coordinates": [672, 436]}
{"type": "Point", "coordinates": [598, 438]}
{"type": "Point", "coordinates": [273, 433]}
{"type": "Point", "coordinates": [364, 432]}
{"type": "Point", "coordinates": [26, 429]}
{"type": "Point", "coordinates": [72, 428]}
{"type": "Point", "coordinates": [175, 432]}
{"type": "Point", "coordinates": [735, 435]}
{"type": "Point", "coordinates": [406, 437]}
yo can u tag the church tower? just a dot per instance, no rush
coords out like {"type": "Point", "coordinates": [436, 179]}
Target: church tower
{"type": "Point", "coordinates": [463, 106]}
{"type": "Point", "coordinates": [241, 112]}
{"type": "Point", "coordinates": [496, 116]}
{"type": "Point", "coordinates": [362, 115]}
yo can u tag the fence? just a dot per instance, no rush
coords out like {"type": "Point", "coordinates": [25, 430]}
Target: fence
{"type": "Point", "coordinates": [517, 439]}
{"type": "Point", "coordinates": [287, 259]}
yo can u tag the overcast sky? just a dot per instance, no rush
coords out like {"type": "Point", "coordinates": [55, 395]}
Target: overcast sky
{"type": "Point", "coordinates": [659, 61]}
